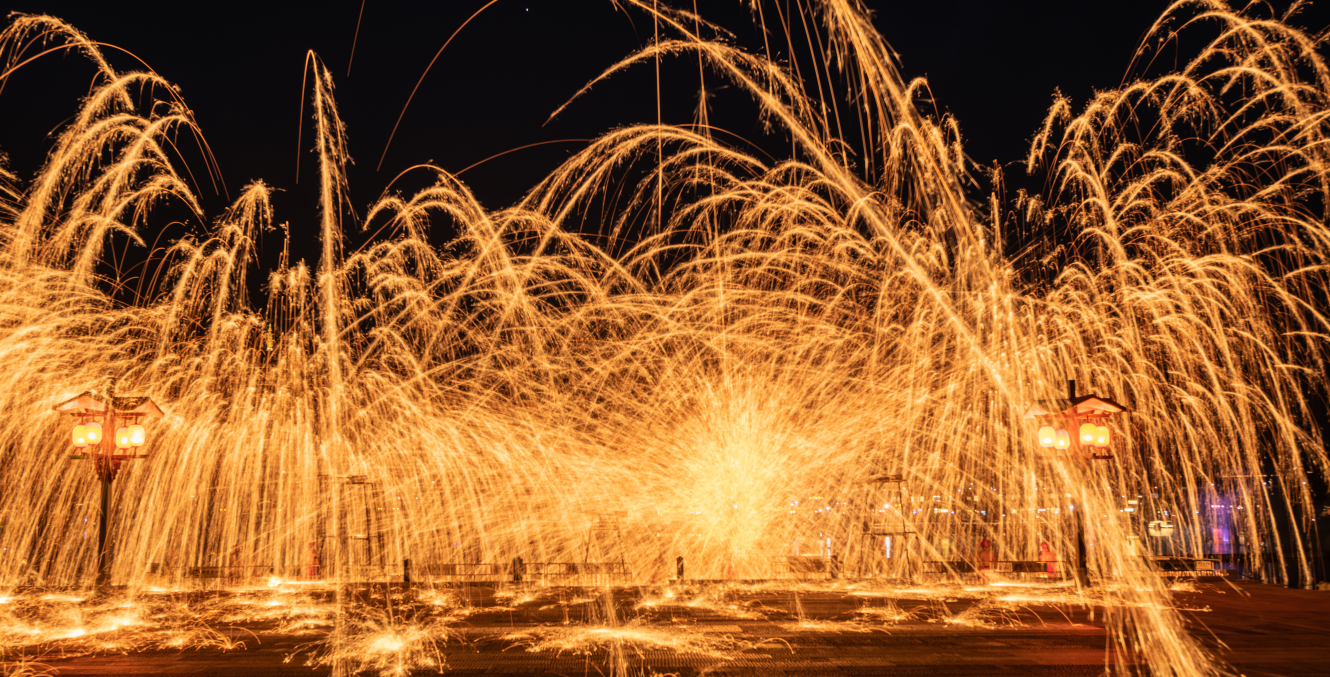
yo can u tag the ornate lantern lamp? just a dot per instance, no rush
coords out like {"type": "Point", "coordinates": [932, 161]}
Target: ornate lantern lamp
{"type": "Point", "coordinates": [94, 415]}
{"type": "Point", "coordinates": [1082, 414]}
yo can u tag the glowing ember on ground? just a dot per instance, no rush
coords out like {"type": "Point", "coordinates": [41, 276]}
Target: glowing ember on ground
{"type": "Point", "coordinates": [632, 637]}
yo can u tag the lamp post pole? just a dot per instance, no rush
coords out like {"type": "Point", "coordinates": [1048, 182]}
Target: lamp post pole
{"type": "Point", "coordinates": [106, 473]}
{"type": "Point", "coordinates": [104, 525]}
{"type": "Point", "coordinates": [1080, 414]}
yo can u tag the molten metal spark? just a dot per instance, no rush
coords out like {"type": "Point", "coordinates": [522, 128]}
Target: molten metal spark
{"type": "Point", "coordinates": [566, 385]}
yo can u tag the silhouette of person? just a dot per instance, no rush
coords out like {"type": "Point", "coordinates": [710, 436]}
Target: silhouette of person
{"type": "Point", "coordinates": [313, 558]}
{"type": "Point", "coordinates": [1046, 554]}
{"type": "Point", "coordinates": [985, 555]}
{"type": "Point", "coordinates": [233, 568]}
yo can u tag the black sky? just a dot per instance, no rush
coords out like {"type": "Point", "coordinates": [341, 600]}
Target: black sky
{"type": "Point", "coordinates": [995, 65]}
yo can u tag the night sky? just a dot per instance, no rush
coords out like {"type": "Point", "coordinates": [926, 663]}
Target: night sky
{"type": "Point", "coordinates": [239, 67]}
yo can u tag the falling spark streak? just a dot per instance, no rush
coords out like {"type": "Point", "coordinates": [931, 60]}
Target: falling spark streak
{"type": "Point", "coordinates": [717, 386]}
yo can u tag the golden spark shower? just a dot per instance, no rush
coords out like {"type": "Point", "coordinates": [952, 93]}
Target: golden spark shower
{"type": "Point", "coordinates": [675, 346]}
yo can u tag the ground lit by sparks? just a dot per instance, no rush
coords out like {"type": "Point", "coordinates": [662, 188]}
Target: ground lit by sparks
{"type": "Point", "coordinates": [395, 632]}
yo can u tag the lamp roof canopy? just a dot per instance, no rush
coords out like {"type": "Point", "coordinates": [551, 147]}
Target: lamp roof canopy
{"type": "Point", "coordinates": [1085, 406]}
{"type": "Point", "coordinates": [92, 402]}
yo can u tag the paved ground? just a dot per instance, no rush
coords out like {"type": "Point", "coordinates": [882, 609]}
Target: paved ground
{"type": "Point", "coordinates": [1262, 630]}
{"type": "Point", "coordinates": [1265, 630]}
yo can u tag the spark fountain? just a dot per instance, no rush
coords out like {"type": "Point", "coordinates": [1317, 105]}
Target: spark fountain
{"type": "Point", "coordinates": [716, 370]}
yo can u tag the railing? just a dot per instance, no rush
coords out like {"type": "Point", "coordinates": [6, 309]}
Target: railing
{"type": "Point", "coordinates": [1018, 568]}
{"type": "Point", "coordinates": [530, 570]}
{"type": "Point", "coordinates": [255, 571]}
{"type": "Point", "coordinates": [1188, 566]}
{"type": "Point", "coordinates": [580, 573]}
{"type": "Point", "coordinates": [1167, 566]}
{"type": "Point", "coordinates": [806, 566]}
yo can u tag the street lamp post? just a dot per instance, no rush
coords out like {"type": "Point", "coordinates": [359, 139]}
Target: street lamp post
{"type": "Point", "coordinates": [109, 432]}
{"type": "Point", "coordinates": [1083, 414]}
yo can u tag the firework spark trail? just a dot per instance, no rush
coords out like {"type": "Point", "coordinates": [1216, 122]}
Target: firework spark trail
{"type": "Point", "coordinates": [794, 328]}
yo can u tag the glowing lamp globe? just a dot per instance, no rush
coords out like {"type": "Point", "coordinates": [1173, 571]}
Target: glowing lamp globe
{"type": "Point", "coordinates": [1047, 436]}
{"type": "Point", "coordinates": [80, 436]}
{"type": "Point", "coordinates": [1088, 431]}
{"type": "Point", "coordinates": [1063, 440]}
{"type": "Point", "coordinates": [122, 438]}
{"type": "Point", "coordinates": [94, 432]}
{"type": "Point", "coordinates": [1101, 436]}
{"type": "Point", "coordinates": [137, 435]}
